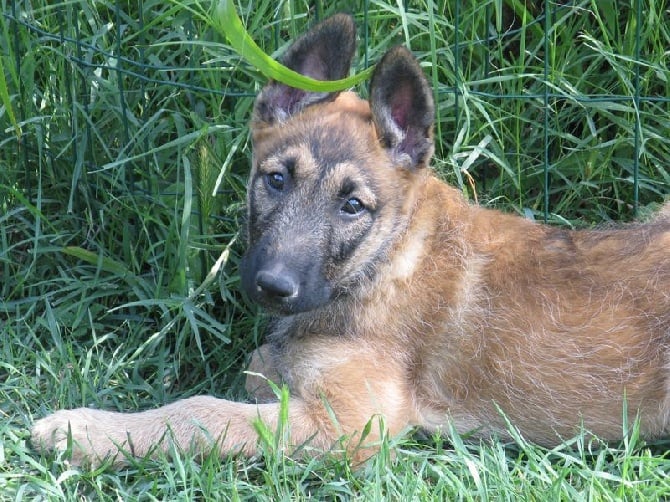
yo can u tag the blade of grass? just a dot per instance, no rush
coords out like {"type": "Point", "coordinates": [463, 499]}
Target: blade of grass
{"type": "Point", "coordinates": [226, 20]}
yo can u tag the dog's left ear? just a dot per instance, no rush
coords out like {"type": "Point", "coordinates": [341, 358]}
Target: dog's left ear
{"type": "Point", "coordinates": [402, 108]}
{"type": "Point", "coordinates": [322, 53]}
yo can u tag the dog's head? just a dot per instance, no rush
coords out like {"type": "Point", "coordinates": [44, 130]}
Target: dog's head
{"type": "Point", "coordinates": [331, 186]}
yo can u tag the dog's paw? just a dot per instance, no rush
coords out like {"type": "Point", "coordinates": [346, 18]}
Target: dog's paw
{"type": "Point", "coordinates": [91, 434]}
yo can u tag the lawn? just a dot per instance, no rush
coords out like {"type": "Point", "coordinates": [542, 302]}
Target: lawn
{"type": "Point", "coordinates": [124, 153]}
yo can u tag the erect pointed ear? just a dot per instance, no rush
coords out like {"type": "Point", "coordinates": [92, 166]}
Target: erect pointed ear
{"type": "Point", "coordinates": [402, 108]}
{"type": "Point", "coordinates": [323, 53]}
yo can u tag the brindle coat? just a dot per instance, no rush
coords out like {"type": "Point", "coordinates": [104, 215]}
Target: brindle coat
{"type": "Point", "coordinates": [396, 297]}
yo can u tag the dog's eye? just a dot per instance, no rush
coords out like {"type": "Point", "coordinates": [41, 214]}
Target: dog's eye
{"type": "Point", "coordinates": [353, 206]}
{"type": "Point", "coordinates": [275, 181]}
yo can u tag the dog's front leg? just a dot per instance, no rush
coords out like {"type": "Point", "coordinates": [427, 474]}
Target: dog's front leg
{"type": "Point", "coordinates": [198, 424]}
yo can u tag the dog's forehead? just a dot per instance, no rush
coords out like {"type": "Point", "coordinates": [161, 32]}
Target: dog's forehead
{"type": "Point", "coordinates": [330, 133]}
{"type": "Point", "coordinates": [350, 101]}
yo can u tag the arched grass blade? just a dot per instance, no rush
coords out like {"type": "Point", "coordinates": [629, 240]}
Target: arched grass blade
{"type": "Point", "coordinates": [227, 22]}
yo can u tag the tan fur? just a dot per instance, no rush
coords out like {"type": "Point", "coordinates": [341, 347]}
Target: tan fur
{"type": "Point", "coordinates": [468, 310]}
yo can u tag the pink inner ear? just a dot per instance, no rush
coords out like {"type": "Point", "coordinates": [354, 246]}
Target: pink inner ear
{"type": "Point", "coordinates": [401, 105]}
{"type": "Point", "coordinates": [314, 67]}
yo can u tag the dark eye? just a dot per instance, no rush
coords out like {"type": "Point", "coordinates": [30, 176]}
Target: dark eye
{"type": "Point", "coordinates": [275, 181]}
{"type": "Point", "coordinates": [353, 206]}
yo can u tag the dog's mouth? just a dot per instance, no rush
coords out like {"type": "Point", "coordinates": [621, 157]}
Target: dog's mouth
{"type": "Point", "coordinates": [279, 306]}
{"type": "Point", "coordinates": [282, 290]}
{"type": "Point", "coordinates": [295, 303]}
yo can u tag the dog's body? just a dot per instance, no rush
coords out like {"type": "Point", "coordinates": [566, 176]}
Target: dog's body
{"type": "Point", "coordinates": [395, 297]}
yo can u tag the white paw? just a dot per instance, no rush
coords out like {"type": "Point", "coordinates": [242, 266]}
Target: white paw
{"type": "Point", "coordinates": [93, 433]}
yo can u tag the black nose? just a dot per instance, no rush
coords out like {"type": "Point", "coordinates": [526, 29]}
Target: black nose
{"type": "Point", "coordinates": [276, 284]}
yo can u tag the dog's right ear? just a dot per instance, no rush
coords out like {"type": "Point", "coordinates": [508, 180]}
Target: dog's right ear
{"type": "Point", "coordinates": [402, 107]}
{"type": "Point", "coordinates": [323, 53]}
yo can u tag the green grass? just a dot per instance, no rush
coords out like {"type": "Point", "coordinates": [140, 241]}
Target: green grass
{"type": "Point", "coordinates": [122, 186]}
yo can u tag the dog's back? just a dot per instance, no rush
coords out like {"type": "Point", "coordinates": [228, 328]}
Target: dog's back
{"type": "Point", "coordinates": [555, 327]}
